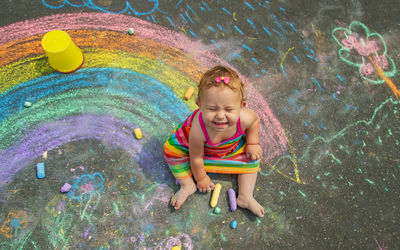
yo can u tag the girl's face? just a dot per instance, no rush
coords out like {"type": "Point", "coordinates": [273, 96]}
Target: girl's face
{"type": "Point", "coordinates": [220, 107]}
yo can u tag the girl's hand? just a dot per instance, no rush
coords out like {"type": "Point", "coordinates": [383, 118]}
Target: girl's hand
{"type": "Point", "coordinates": [253, 152]}
{"type": "Point", "coordinates": [205, 184]}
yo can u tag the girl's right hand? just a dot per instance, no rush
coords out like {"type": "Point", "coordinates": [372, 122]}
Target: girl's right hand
{"type": "Point", "coordinates": [205, 184]}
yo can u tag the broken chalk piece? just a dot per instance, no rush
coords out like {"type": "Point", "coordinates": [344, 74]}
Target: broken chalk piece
{"type": "Point", "coordinates": [65, 188]}
{"type": "Point", "coordinates": [131, 31]}
{"type": "Point", "coordinates": [217, 210]}
{"type": "Point", "coordinates": [40, 170]}
{"type": "Point", "coordinates": [232, 199]}
{"type": "Point", "coordinates": [27, 104]}
{"type": "Point", "coordinates": [233, 224]}
{"type": "Point", "coordinates": [176, 247]}
{"type": "Point", "coordinates": [189, 93]}
{"type": "Point", "coordinates": [138, 133]}
{"type": "Point", "coordinates": [215, 195]}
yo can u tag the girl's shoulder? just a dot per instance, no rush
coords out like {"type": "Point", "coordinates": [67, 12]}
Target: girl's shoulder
{"type": "Point", "coordinates": [247, 118]}
{"type": "Point", "coordinates": [196, 132]}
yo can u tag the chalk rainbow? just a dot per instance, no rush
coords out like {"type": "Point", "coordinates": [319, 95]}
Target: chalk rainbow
{"type": "Point", "coordinates": [126, 82]}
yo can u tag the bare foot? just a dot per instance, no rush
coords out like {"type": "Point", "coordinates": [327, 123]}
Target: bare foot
{"type": "Point", "coordinates": [180, 196]}
{"type": "Point", "coordinates": [251, 204]}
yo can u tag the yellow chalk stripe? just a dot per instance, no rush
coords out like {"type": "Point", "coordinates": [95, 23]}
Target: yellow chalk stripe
{"type": "Point", "coordinates": [30, 68]}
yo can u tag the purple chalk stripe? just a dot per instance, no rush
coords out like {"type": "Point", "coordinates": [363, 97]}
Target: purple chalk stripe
{"type": "Point", "coordinates": [57, 133]}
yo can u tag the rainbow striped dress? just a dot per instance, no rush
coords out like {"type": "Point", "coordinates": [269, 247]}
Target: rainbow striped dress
{"type": "Point", "coordinates": [227, 157]}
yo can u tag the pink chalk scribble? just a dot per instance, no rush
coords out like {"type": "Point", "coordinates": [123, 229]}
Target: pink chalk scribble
{"type": "Point", "coordinates": [366, 48]}
{"type": "Point", "coordinates": [379, 246]}
{"type": "Point", "coordinates": [350, 42]}
{"type": "Point", "coordinates": [367, 69]}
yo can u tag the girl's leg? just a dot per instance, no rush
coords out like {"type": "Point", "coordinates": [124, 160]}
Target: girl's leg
{"type": "Point", "coordinates": [245, 199]}
{"type": "Point", "coordinates": [188, 187]}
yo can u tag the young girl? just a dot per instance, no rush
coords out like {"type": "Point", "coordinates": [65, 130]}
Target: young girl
{"type": "Point", "coordinates": [219, 137]}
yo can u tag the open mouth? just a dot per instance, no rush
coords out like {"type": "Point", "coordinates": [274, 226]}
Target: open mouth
{"type": "Point", "coordinates": [220, 124]}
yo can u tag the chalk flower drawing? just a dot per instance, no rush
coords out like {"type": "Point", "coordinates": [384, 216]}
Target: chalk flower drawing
{"type": "Point", "coordinates": [86, 185]}
{"type": "Point", "coordinates": [358, 46]}
{"type": "Point", "coordinates": [13, 222]}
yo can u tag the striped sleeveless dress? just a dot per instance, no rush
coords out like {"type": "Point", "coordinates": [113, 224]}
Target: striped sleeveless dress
{"type": "Point", "coordinates": [227, 157]}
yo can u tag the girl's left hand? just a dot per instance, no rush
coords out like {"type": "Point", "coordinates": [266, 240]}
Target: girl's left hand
{"type": "Point", "coordinates": [253, 152]}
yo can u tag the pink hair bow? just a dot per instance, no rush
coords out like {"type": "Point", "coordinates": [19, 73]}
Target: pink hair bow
{"type": "Point", "coordinates": [224, 79]}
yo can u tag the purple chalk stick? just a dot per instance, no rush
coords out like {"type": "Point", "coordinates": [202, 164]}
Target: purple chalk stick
{"type": "Point", "coordinates": [65, 188]}
{"type": "Point", "coordinates": [232, 199]}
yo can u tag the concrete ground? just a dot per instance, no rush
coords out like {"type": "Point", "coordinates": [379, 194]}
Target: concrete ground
{"type": "Point", "coordinates": [322, 76]}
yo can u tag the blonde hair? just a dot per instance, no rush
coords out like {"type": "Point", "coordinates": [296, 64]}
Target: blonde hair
{"type": "Point", "coordinates": [208, 80]}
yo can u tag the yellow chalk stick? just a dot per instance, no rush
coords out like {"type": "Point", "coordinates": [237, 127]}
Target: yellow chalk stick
{"type": "Point", "coordinates": [176, 247]}
{"type": "Point", "coordinates": [215, 195]}
{"type": "Point", "coordinates": [189, 93]}
{"type": "Point", "coordinates": [138, 133]}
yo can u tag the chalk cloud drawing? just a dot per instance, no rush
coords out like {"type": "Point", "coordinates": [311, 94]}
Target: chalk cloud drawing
{"type": "Point", "coordinates": [126, 8]}
{"type": "Point", "coordinates": [85, 185]}
{"type": "Point", "coordinates": [358, 46]}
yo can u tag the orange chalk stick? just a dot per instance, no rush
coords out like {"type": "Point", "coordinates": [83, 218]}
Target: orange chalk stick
{"type": "Point", "coordinates": [189, 93]}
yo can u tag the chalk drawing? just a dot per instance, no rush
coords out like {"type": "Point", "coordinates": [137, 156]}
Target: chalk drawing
{"type": "Point", "coordinates": [52, 89]}
{"type": "Point", "coordinates": [13, 223]}
{"type": "Point", "coordinates": [367, 51]}
{"type": "Point", "coordinates": [85, 185]}
{"type": "Point", "coordinates": [315, 142]}
{"type": "Point", "coordinates": [182, 240]}
{"type": "Point", "coordinates": [139, 81]}
{"type": "Point", "coordinates": [58, 222]}
{"type": "Point", "coordinates": [128, 8]}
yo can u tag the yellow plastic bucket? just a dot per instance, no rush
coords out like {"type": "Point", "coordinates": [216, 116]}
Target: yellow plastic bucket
{"type": "Point", "coordinates": [64, 56]}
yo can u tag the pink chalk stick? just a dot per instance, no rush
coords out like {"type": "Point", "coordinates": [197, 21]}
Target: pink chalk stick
{"type": "Point", "coordinates": [232, 199]}
{"type": "Point", "coordinates": [65, 188]}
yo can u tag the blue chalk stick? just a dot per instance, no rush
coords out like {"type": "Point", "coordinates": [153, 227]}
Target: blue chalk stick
{"type": "Point", "coordinates": [40, 170]}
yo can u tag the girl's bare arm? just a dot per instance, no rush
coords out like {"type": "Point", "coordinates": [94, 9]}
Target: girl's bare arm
{"type": "Point", "coordinates": [251, 125]}
{"type": "Point", "coordinates": [196, 153]}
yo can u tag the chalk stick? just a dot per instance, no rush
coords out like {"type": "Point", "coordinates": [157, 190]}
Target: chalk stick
{"type": "Point", "coordinates": [27, 104]}
{"type": "Point", "coordinates": [40, 170]}
{"type": "Point", "coordinates": [176, 247]}
{"type": "Point", "coordinates": [131, 31]}
{"type": "Point", "coordinates": [233, 224]}
{"type": "Point", "coordinates": [189, 93]}
{"type": "Point", "coordinates": [138, 133]}
{"type": "Point", "coordinates": [65, 188]}
{"type": "Point", "coordinates": [232, 199]}
{"type": "Point", "coordinates": [215, 195]}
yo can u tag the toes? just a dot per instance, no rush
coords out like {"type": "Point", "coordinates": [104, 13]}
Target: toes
{"type": "Point", "coordinates": [173, 202]}
{"type": "Point", "coordinates": [178, 205]}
